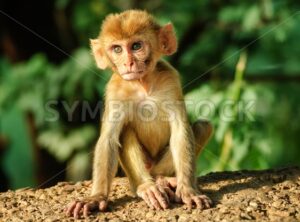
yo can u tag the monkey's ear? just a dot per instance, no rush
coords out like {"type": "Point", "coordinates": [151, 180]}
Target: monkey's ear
{"type": "Point", "coordinates": [167, 40]}
{"type": "Point", "coordinates": [98, 54]}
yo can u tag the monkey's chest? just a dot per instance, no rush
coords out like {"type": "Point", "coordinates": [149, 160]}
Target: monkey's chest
{"type": "Point", "coordinates": [150, 122]}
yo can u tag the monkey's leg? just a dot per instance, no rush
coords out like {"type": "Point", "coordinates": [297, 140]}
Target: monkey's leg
{"type": "Point", "coordinates": [132, 160]}
{"type": "Point", "coordinates": [164, 170]}
{"type": "Point", "coordinates": [202, 130]}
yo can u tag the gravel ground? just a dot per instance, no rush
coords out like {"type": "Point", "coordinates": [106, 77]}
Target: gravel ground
{"type": "Point", "coordinates": [271, 195]}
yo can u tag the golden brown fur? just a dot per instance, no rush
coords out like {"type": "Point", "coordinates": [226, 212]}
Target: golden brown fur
{"type": "Point", "coordinates": [144, 125]}
{"type": "Point", "coordinates": [127, 24]}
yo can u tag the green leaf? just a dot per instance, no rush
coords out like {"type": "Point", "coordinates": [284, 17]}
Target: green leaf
{"type": "Point", "coordinates": [252, 18]}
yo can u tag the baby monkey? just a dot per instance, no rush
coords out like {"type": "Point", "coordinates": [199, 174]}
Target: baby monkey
{"type": "Point", "coordinates": [144, 126]}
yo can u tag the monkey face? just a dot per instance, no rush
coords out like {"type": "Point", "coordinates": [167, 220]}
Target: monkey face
{"type": "Point", "coordinates": [131, 43]}
{"type": "Point", "coordinates": [130, 58]}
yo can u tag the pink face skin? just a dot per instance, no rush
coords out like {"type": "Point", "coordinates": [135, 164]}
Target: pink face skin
{"type": "Point", "coordinates": [131, 58]}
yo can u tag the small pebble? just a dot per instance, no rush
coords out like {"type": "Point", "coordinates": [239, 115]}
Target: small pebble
{"type": "Point", "coordinates": [253, 204]}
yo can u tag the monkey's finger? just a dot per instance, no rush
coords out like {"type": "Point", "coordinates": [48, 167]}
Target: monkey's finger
{"type": "Point", "coordinates": [188, 202]}
{"type": "Point", "coordinates": [147, 200]}
{"type": "Point", "coordinates": [153, 200]}
{"type": "Point", "coordinates": [78, 207]}
{"type": "Point", "coordinates": [207, 202]}
{"type": "Point", "coordinates": [164, 194]}
{"type": "Point", "coordinates": [86, 210]}
{"type": "Point", "coordinates": [171, 194]}
{"type": "Point", "coordinates": [102, 205]}
{"type": "Point", "coordinates": [198, 202]}
{"type": "Point", "coordinates": [70, 208]}
{"type": "Point", "coordinates": [160, 196]}
{"type": "Point", "coordinates": [88, 207]}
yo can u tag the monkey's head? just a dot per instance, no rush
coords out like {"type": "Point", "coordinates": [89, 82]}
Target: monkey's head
{"type": "Point", "coordinates": [131, 43]}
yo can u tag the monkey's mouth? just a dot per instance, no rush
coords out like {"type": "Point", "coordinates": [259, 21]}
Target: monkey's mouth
{"type": "Point", "coordinates": [133, 75]}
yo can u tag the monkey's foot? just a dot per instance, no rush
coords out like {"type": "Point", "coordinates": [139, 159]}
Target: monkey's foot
{"type": "Point", "coordinates": [154, 195]}
{"type": "Point", "coordinates": [169, 184]}
{"type": "Point", "coordinates": [85, 206]}
{"type": "Point", "coordinates": [192, 198]}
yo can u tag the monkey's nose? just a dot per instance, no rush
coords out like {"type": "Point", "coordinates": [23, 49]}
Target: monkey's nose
{"type": "Point", "coordinates": [129, 65]}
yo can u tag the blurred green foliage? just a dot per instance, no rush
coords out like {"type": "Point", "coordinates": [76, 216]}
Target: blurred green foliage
{"type": "Point", "coordinates": [213, 36]}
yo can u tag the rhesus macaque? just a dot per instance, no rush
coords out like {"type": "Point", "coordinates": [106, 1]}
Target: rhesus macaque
{"type": "Point", "coordinates": [144, 126]}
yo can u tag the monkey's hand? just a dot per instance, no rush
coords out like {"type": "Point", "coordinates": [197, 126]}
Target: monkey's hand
{"type": "Point", "coordinates": [192, 197]}
{"type": "Point", "coordinates": [169, 184]}
{"type": "Point", "coordinates": [86, 205]}
{"type": "Point", "coordinates": [154, 195]}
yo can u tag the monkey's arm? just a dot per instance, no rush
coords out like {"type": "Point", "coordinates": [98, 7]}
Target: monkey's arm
{"type": "Point", "coordinates": [182, 148]}
{"type": "Point", "coordinates": [106, 158]}
{"type": "Point", "coordinates": [104, 169]}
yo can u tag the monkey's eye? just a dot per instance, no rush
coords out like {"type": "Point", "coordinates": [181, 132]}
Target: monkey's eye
{"type": "Point", "coordinates": [136, 46]}
{"type": "Point", "coordinates": [117, 49]}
